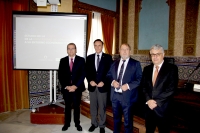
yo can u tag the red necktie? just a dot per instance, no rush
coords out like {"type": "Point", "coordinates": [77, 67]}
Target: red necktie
{"type": "Point", "coordinates": [155, 75]}
{"type": "Point", "coordinates": [71, 64]}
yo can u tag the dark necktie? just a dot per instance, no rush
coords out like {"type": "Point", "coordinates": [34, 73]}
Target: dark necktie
{"type": "Point", "coordinates": [97, 61]}
{"type": "Point", "coordinates": [120, 73]}
{"type": "Point", "coordinates": [71, 64]}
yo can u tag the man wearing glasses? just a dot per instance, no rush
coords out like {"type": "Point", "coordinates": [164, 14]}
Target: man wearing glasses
{"type": "Point", "coordinates": [71, 75]}
{"type": "Point", "coordinates": [159, 81]}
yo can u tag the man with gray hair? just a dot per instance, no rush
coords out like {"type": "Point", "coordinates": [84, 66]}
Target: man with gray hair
{"type": "Point", "coordinates": [159, 81]}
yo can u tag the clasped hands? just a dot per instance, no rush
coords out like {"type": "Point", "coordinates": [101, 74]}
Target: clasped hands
{"type": "Point", "coordinates": [152, 104]}
{"type": "Point", "coordinates": [116, 84]}
{"type": "Point", "coordinates": [100, 84]}
{"type": "Point", "coordinates": [71, 88]}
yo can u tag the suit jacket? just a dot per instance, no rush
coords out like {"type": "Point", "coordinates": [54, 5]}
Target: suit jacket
{"type": "Point", "coordinates": [100, 74]}
{"type": "Point", "coordinates": [76, 77]}
{"type": "Point", "coordinates": [164, 88]}
{"type": "Point", "coordinates": [132, 76]}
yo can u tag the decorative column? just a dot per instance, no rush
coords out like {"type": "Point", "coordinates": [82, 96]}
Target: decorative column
{"type": "Point", "coordinates": [197, 53]}
{"type": "Point", "coordinates": [179, 27]}
{"type": "Point", "coordinates": [131, 23]}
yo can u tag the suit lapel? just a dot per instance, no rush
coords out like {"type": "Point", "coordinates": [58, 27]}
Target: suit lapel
{"type": "Point", "coordinates": [161, 73]}
{"type": "Point", "coordinates": [127, 70]}
{"type": "Point", "coordinates": [67, 63]}
{"type": "Point", "coordinates": [116, 68]}
{"type": "Point", "coordinates": [150, 74]}
{"type": "Point", "coordinates": [94, 63]}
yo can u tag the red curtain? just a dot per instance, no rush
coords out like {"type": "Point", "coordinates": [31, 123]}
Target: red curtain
{"type": "Point", "coordinates": [107, 29]}
{"type": "Point", "coordinates": [13, 83]}
{"type": "Point", "coordinates": [89, 13]}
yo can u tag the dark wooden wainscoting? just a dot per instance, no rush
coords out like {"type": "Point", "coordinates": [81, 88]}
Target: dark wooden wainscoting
{"type": "Point", "coordinates": [85, 110]}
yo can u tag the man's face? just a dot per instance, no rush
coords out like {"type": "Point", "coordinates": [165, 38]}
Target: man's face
{"type": "Point", "coordinates": [157, 56]}
{"type": "Point", "coordinates": [71, 50]}
{"type": "Point", "coordinates": [98, 46]}
{"type": "Point", "coordinates": [124, 52]}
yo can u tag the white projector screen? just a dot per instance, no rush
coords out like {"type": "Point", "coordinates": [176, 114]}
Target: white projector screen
{"type": "Point", "coordinates": [40, 38]}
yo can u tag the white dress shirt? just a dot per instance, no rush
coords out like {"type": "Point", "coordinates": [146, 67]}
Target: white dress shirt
{"type": "Point", "coordinates": [119, 67]}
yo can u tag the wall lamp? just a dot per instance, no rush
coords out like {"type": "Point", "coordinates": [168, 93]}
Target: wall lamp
{"type": "Point", "coordinates": [47, 2]}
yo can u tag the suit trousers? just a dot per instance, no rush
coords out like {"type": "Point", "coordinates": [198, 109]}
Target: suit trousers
{"type": "Point", "coordinates": [120, 107]}
{"type": "Point", "coordinates": [72, 100]}
{"type": "Point", "coordinates": [152, 120]}
{"type": "Point", "coordinates": [98, 102]}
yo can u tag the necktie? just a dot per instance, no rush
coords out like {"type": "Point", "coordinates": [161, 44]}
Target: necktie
{"type": "Point", "coordinates": [71, 64]}
{"type": "Point", "coordinates": [119, 79]}
{"type": "Point", "coordinates": [155, 75]}
{"type": "Point", "coordinates": [97, 61]}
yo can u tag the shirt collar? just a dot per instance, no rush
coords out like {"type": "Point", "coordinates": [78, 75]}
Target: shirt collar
{"type": "Point", "coordinates": [72, 57]}
{"type": "Point", "coordinates": [100, 54]}
{"type": "Point", "coordinates": [159, 65]}
{"type": "Point", "coordinates": [126, 59]}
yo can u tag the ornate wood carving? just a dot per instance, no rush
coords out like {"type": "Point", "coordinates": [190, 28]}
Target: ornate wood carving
{"type": "Point", "coordinates": [77, 4]}
{"type": "Point", "coordinates": [190, 26]}
{"type": "Point", "coordinates": [32, 6]}
{"type": "Point", "coordinates": [137, 11]}
{"type": "Point", "coordinates": [125, 21]}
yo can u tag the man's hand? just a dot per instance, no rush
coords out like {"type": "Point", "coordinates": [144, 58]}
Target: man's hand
{"type": "Point", "coordinates": [100, 84]}
{"type": "Point", "coordinates": [152, 104]}
{"type": "Point", "coordinates": [124, 87]}
{"type": "Point", "coordinates": [67, 87]}
{"type": "Point", "coordinates": [115, 84]}
{"type": "Point", "coordinates": [92, 83]}
{"type": "Point", "coordinates": [71, 88]}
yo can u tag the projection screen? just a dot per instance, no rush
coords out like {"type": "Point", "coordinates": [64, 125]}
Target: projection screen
{"type": "Point", "coordinates": [40, 38]}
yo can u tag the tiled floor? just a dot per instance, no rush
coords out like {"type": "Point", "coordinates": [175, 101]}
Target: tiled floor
{"type": "Point", "coordinates": [19, 122]}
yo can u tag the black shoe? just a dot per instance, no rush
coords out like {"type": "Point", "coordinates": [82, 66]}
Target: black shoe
{"type": "Point", "coordinates": [92, 128]}
{"type": "Point", "coordinates": [78, 127]}
{"type": "Point", "coordinates": [64, 128]}
{"type": "Point", "coordinates": [102, 130]}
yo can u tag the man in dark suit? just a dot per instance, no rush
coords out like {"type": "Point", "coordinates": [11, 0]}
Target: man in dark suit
{"type": "Point", "coordinates": [125, 75]}
{"type": "Point", "coordinates": [159, 82]}
{"type": "Point", "coordinates": [97, 66]}
{"type": "Point", "coordinates": [71, 74]}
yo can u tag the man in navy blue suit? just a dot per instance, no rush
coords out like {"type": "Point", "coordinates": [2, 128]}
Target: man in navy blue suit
{"type": "Point", "coordinates": [125, 75]}
{"type": "Point", "coordinates": [97, 66]}
{"type": "Point", "coordinates": [71, 74]}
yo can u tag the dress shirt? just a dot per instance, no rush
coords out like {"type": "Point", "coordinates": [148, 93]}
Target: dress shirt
{"type": "Point", "coordinates": [70, 59]}
{"type": "Point", "coordinates": [119, 67]}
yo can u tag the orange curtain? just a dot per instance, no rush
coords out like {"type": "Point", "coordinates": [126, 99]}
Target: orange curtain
{"type": "Point", "coordinates": [107, 29]}
{"type": "Point", "coordinates": [13, 83]}
{"type": "Point", "coordinates": [89, 13]}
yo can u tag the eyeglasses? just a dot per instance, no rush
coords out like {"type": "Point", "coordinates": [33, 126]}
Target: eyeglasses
{"type": "Point", "coordinates": [156, 55]}
{"type": "Point", "coordinates": [71, 49]}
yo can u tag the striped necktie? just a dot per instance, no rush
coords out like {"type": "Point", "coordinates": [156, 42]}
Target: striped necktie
{"type": "Point", "coordinates": [119, 79]}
